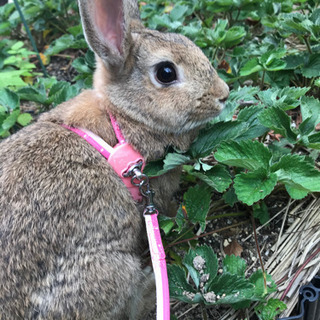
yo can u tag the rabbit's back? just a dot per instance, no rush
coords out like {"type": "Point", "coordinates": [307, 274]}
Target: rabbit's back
{"type": "Point", "coordinates": [64, 244]}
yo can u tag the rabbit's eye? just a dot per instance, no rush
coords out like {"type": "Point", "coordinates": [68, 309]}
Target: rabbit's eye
{"type": "Point", "coordinates": [166, 73]}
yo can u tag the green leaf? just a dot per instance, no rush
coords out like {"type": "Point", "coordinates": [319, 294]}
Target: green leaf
{"type": "Point", "coordinates": [234, 36]}
{"type": "Point", "coordinates": [249, 115]}
{"type": "Point", "coordinates": [277, 120]}
{"type": "Point", "coordinates": [154, 168]}
{"type": "Point", "coordinates": [234, 265]}
{"type": "Point", "coordinates": [244, 93]}
{"type": "Point", "coordinates": [247, 154]}
{"type": "Point", "coordinates": [173, 160]}
{"type": "Point", "coordinates": [33, 94]}
{"type": "Point", "coordinates": [202, 264]}
{"type": "Point", "coordinates": [9, 99]}
{"type": "Point", "coordinates": [24, 119]}
{"type": "Point", "coordinates": [260, 291]}
{"type": "Point", "coordinates": [314, 141]}
{"type": "Point", "coordinates": [260, 211]}
{"type": "Point", "coordinates": [253, 186]}
{"type": "Point", "coordinates": [61, 92]}
{"type": "Point", "coordinates": [165, 223]}
{"type": "Point", "coordinates": [310, 107]}
{"type": "Point", "coordinates": [296, 172]}
{"type": "Point", "coordinates": [75, 30]}
{"type": "Point", "coordinates": [217, 178]}
{"type": "Point", "coordinates": [308, 125]}
{"type": "Point", "coordinates": [294, 61]}
{"type": "Point", "coordinates": [230, 288]}
{"type": "Point", "coordinates": [178, 12]}
{"type": "Point", "coordinates": [312, 67]}
{"type": "Point", "coordinates": [10, 121]}
{"type": "Point", "coordinates": [230, 197]}
{"type": "Point", "coordinates": [80, 65]}
{"type": "Point", "coordinates": [270, 59]}
{"type": "Point", "coordinates": [270, 310]}
{"type": "Point", "coordinates": [66, 41]}
{"type": "Point", "coordinates": [197, 202]}
{"type": "Point", "coordinates": [295, 193]}
{"type": "Point", "coordinates": [286, 98]}
{"type": "Point", "coordinates": [250, 67]}
{"type": "Point", "coordinates": [212, 136]}
{"type": "Point", "coordinates": [160, 167]}
{"type": "Point", "coordinates": [178, 285]}
{"type": "Point", "coordinates": [227, 113]}
{"type": "Point", "coordinates": [278, 149]}
{"type": "Point", "coordinates": [180, 218]}
{"type": "Point", "coordinates": [17, 46]}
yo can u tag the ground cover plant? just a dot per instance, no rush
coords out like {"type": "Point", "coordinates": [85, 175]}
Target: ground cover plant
{"type": "Point", "coordinates": [266, 141]}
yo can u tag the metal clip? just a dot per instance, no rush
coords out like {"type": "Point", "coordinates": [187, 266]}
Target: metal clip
{"type": "Point", "coordinates": [141, 180]}
{"type": "Point", "coordinates": [133, 170]}
{"type": "Point", "coordinates": [150, 207]}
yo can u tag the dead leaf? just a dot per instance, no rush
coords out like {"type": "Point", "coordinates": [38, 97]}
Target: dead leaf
{"type": "Point", "coordinates": [225, 65]}
{"type": "Point", "coordinates": [233, 248]}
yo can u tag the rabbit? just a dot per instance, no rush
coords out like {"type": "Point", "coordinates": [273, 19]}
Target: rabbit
{"type": "Point", "coordinates": [71, 235]}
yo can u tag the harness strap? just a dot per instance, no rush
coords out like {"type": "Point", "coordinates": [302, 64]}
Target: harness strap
{"type": "Point", "coordinates": [123, 158]}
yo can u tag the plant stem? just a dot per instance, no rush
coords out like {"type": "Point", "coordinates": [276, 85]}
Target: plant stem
{"type": "Point", "coordinates": [238, 14]}
{"type": "Point", "coordinates": [262, 79]}
{"type": "Point", "coordinates": [215, 53]}
{"type": "Point", "coordinates": [31, 38]}
{"type": "Point", "coordinates": [306, 40]}
{"type": "Point", "coordinates": [259, 253]}
{"type": "Point", "coordinates": [226, 215]}
{"type": "Point", "coordinates": [181, 236]}
{"type": "Point", "coordinates": [201, 19]}
{"type": "Point", "coordinates": [58, 27]}
{"type": "Point", "coordinates": [204, 313]}
{"type": "Point", "coordinates": [207, 234]}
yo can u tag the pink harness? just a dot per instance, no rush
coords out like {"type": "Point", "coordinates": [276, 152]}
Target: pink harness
{"type": "Point", "coordinates": [125, 160]}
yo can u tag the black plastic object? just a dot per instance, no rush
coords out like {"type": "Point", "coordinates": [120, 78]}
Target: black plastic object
{"type": "Point", "coordinates": [309, 302]}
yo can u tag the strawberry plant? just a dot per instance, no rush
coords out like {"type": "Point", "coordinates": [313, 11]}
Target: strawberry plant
{"type": "Point", "coordinates": [264, 142]}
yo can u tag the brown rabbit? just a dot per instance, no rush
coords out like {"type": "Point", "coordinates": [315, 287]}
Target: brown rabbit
{"type": "Point", "coordinates": [70, 233]}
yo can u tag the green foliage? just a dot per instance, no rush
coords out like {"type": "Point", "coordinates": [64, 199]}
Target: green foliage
{"type": "Point", "coordinates": [247, 167]}
{"type": "Point", "coordinates": [212, 288]}
{"type": "Point", "coordinates": [270, 309]}
{"type": "Point", "coordinates": [15, 65]}
{"type": "Point", "coordinates": [10, 115]}
{"type": "Point", "coordinates": [268, 53]}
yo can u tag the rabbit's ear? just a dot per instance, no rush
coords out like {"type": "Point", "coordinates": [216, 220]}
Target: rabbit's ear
{"type": "Point", "coordinates": [106, 25]}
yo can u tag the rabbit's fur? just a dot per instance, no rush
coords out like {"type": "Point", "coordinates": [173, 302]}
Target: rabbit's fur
{"type": "Point", "coordinates": [70, 233]}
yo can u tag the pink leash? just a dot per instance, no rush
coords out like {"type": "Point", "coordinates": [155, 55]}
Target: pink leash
{"type": "Point", "coordinates": [129, 165]}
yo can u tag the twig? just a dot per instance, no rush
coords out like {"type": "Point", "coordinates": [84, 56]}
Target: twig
{"type": "Point", "coordinates": [259, 253]}
{"type": "Point", "coordinates": [298, 272]}
{"type": "Point", "coordinates": [193, 307]}
{"type": "Point", "coordinates": [259, 228]}
{"type": "Point", "coordinates": [283, 223]}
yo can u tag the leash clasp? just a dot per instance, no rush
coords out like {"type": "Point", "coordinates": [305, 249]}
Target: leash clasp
{"type": "Point", "coordinates": [141, 180]}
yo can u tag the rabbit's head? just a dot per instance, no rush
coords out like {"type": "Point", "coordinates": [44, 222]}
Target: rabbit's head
{"type": "Point", "coordinates": [160, 79]}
